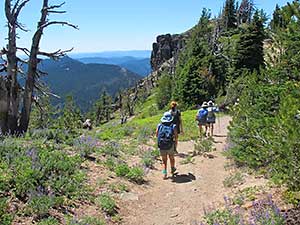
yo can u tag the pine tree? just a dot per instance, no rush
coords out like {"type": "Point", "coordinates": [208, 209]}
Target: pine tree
{"type": "Point", "coordinates": [229, 15]}
{"type": "Point", "coordinates": [194, 77]}
{"type": "Point", "coordinates": [250, 52]}
{"type": "Point", "coordinates": [277, 20]}
{"type": "Point", "coordinates": [71, 118]}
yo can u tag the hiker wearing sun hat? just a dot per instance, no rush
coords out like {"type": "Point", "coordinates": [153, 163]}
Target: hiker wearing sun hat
{"type": "Point", "coordinates": [167, 138]}
{"type": "Point", "coordinates": [211, 117]}
{"type": "Point", "coordinates": [201, 117]}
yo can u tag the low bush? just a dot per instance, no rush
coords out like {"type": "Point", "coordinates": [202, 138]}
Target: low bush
{"type": "Point", "coordinates": [264, 212]}
{"type": "Point", "coordinates": [85, 145]}
{"type": "Point", "coordinates": [49, 221]}
{"type": "Point", "coordinates": [234, 179]}
{"type": "Point", "coordinates": [39, 175]}
{"type": "Point", "coordinates": [107, 204]}
{"type": "Point", "coordinates": [136, 174]}
{"type": "Point", "coordinates": [122, 170]}
{"type": "Point", "coordinates": [203, 146]}
{"type": "Point", "coordinates": [6, 217]}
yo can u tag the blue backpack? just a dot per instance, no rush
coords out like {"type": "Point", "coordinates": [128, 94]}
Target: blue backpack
{"type": "Point", "coordinates": [202, 114]}
{"type": "Point", "coordinates": [165, 138]}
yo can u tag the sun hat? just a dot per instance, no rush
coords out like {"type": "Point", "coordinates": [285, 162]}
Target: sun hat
{"type": "Point", "coordinates": [167, 118]}
{"type": "Point", "coordinates": [210, 103]}
{"type": "Point", "coordinates": [204, 105]}
{"type": "Point", "coordinates": [173, 104]}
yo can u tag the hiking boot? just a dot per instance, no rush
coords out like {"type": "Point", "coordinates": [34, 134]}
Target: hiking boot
{"type": "Point", "coordinates": [173, 170]}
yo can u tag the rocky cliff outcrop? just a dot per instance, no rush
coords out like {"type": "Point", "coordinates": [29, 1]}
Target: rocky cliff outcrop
{"type": "Point", "coordinates": [166, 47]}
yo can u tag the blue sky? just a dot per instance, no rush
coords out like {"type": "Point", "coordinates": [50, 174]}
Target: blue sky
{"type": "Point", "coordinates": [116, 24]}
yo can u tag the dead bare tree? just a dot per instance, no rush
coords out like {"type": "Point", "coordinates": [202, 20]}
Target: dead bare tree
{"type": "Point", "coordinates": [13, 97]}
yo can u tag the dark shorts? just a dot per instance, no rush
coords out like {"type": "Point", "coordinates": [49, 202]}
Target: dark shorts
{"type": "Point", "coordinates": [170, 151]}
{"type": "Point", "coordinates": [202, 123]}
{"type": "Point", "coordinates": [211, 120]}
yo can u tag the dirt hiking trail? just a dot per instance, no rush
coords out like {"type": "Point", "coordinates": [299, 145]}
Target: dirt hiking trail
{"type": "Point", "coordinates": [181, 200]}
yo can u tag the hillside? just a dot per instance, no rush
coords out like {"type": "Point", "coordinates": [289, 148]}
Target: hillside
{"type": "Point", "coordinates": [85, 81]}
{"type": "Point", "coordinates": [139, 66]}
{"type": "Point", "coordinates": [239, 168]}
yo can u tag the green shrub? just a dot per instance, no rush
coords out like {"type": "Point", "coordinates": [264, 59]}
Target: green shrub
{"type": "Point", "coordinates": [85, 145]}
{"type": "Point", "coordinates": [225, 216]}
{"type": "Point", "coordinates": [112, 149]}
{"type": "Point", "coordinates": [88, 220]}
{"type": "Point", "coordinates": [110, 163]}
{"type": "Point", "coordinates": [5, 217]}
{"type": "Point", "coordinates": [40, 205]}
{"type": "Point", "coordinates": [33, 171]}
{"type": "Point", "coordinates": [49, 221]}
{"type": "Point", "coordinates": [265, 133]}
{"type": "Point", "coordinates": [107, 204]}
{"type": "Point", "coordinates": [136, 174]}
{"type": "Point", "coordinates": [148, 159]}
{"type": "Point", "coordinates": [234, 179]}
{"type": "Point", "coordinates": [122, 170]}
{"type": "Point", "coordinates": [203, 146]}
{"type": "Point", "coordinates": [118, 187]}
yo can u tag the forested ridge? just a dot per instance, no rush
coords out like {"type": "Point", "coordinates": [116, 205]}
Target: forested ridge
{"type": "Point", "coordinates": [53, 171]}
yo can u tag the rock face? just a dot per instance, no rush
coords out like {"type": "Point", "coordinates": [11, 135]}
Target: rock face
{"type": "Point", "coordinates": [166, 47]}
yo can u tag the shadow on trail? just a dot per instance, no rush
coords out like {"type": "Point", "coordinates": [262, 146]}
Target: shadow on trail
{"type": "Point", "coordinates": [182, 155]}
{"type": "Point", "coordinates": [183, 178]}
{"type": "Point", "coordinates": [220, 135]}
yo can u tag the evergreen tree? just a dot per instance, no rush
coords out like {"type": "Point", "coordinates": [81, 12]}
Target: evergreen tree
{"type": "Point", "coordinates": [277, 18]}
{"type": "Point", "coordinates": [43, 113]}
{"type": "Point", "coordinates": [102, 109]}
{"type": "Point", "coordinates": [164, 91]}
{"type": "Point", "coordinates": [71, 118]}
{"type": "Point", "coordinates": [229, 15]}
{"type": "Point", "coordinates": [194, 77]}
{"type": "Point", "coordinates": [250, 52]}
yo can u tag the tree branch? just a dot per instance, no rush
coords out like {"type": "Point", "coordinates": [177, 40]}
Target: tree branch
{"type": "Point", "coordinates": [8, 11]}
{"type": "Point", "coordinates": [25, 50]}
{"type": "Point", "coordinates": [57, 22]}
{"type": "Point", "coordinates": [55, 6]}
{"type": "Point", "coordinates": [55, 11]}
{"type": "Point", "coordinates": [55, 55]}
{"type": "Point", "coordinates": [21, 27]}
{"type": "Point", "coordinates": [17, 9]}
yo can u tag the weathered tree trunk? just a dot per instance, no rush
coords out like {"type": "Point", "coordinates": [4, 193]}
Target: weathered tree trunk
{"type": "Point", "coordinates": [11, 121]}
{"type": "Point", "coordinates": [32, 68]}
{"type": "Point", "coordinates": [4, 102]}
{"type": "Point", "coordinates": [12, 71]}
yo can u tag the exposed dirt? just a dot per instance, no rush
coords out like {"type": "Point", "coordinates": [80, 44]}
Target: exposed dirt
{"type": "Point", "coordinates": [182, 199]}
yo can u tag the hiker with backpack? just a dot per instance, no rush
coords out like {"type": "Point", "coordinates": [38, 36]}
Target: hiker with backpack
{"type": "Point", "coordinates": [167, 140]}
{"type": "Point", "coordinates": [211, 117]}
{"type": "Point", "coordinates": [175, 112]}
{"type": "Point", "coordinates": [201, 117]}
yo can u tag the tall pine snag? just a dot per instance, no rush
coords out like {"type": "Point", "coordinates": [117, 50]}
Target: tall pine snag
{"type": "Point", "coordinates": [245, 11]}
{"type": "Point", "coordinates": [13, 96]}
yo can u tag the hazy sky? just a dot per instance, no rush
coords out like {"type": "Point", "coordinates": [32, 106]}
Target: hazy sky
{"type": "Point", "coordinates": [116, 24]}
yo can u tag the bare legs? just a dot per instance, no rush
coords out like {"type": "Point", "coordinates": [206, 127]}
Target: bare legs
{"type": "Point", "coordinates": [165, 162]}
{"type": "Point", "coordinates": [201, 131]}
{"type": "Point", "coordinates": [211, 129]}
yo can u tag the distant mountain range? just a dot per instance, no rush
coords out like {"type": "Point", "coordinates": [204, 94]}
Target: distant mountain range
{"type": "Point", "coordinates": [113, 54]}
{"type": "Point", "coordinates": [140, 66]}
{"type": "Point", "coordinates": [85, 81]}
